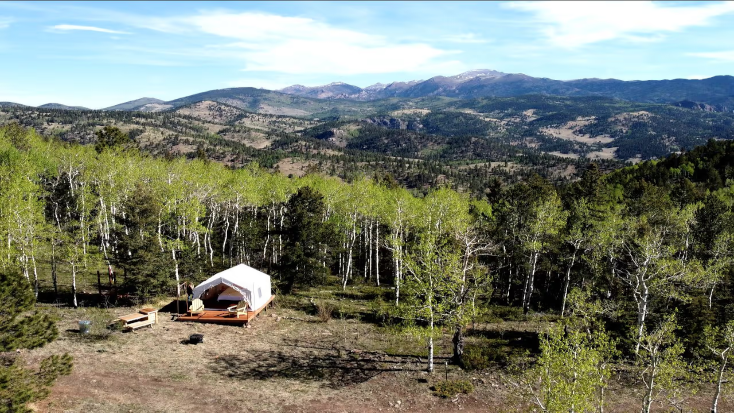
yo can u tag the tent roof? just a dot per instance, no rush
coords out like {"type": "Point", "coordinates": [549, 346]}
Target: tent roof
{"type": "Point", "coordinates": [241, 276]}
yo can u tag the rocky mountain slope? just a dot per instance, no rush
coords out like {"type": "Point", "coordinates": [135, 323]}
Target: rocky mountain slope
{"type": "Point", "coordinates": [717, 93]}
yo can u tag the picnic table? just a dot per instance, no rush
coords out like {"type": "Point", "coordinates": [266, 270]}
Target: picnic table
{"type": "Point", "coordinates": [145, 317]}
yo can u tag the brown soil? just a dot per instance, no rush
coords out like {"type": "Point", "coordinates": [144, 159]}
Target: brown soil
{"type": "Point", "coordinates": [288, 361]}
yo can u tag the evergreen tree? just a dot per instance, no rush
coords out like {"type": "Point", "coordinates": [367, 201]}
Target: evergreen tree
{"type": "Point", "coordinates": [307, 240]}
{"type": "Point", "coordinates": [112, 137]}
{"type": "Point", "coordinates": [19, 329]}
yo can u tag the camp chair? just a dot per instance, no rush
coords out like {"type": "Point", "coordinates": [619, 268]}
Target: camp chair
{"type": "Point", "coordinates": [239, 309]}
{"type": "Point", "coordinates": [197, 307]}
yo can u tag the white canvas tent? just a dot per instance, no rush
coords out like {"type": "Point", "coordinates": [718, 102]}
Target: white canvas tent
{"type": "Point", "coordinates": [235, 284]}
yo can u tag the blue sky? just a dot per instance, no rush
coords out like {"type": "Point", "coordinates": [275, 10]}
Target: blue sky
{"type": "Point", "coordinates": [100, 54]}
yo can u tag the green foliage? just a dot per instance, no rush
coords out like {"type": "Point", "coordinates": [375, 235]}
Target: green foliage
{"type": "Point", "coordinates": [485, 355]}
{"type": "Point", "coordinates": [20, 386]}
{"type": "Point", "coordinates": [572, 370]}
{"type": "Point", "coordinates": [660, 365]}
{"type": "Point", "coordinates": [20, 327]}
{"type": "Point", "coordinates": [450, 388]}
{"type": "Point", "coordinates": [112, 137]}
{"type": "Point", "coordinates": [307, 240]}
{"type": "Point", "coordinates": [147, 268]}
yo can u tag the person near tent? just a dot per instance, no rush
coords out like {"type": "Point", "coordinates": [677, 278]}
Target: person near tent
{"type": "Point", "coordinates": [189, 292]}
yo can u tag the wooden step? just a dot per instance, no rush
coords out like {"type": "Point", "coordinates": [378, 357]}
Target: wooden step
{"type": "Point", "coordinates": [133, 326]}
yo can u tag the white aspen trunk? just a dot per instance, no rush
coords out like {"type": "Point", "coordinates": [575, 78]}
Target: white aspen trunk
{"type": "Point", "coordinates": [178, 280]}
{"type": "Point", "coordinates": [352, 238]}
{"type": "Point", "coordinates": [431, 309]}
{"type": "Point", "coordinates": [35, 275]}
{"type": "Point", "coordinates": [73, 285]}
{"type": "Point", "coordinates": [720, 379]}
{"type": "Point", "coordinates": [397, 282]}
{"type": "Point", "coordinates": [568, 282]}
{"type": "Point", "coordinates": [211, 252]}
{"type": "Point", "coordinates": [365, 249]}
{"type": "Point", "coordinates": [83, 231]}
{"type": "Point", "coordinates": [267, 238]}
{"type": "Point", "coordinates": [280, 236]}
{"type": "Point", "coordinates": [160, 235]}
{"type": "Point", "coordinates": [430, 351]}
{"type": "Point", "coordinates": [53, 268]}
{"type": "Point", "coordinates": [641, 315]}
{"type": "Point", "coordinates": [529, 284]}
{"type": "Point", "coordinates": [377, 253]}
{"type": "Point", "coordinates": [234, 234]}
{"type": "Point", "coordinates": [527, 281]}
{"type": "Point", "coordinates": [647, 402]}
{"type": "Point", "coordinates": [226, 233]}
{"type": "Point", "coordinates": [24, 265]}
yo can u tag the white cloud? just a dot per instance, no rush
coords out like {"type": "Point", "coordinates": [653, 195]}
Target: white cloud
{"type": "Point", "coordinates": [298, 45]}
{"type": "Point", "coordinates": [5, 22]}
{"type": "Point", "coordinates": [466, 38]}
{"type": "Point", "coordinates": [723, 56]}
{"type": "Point", "coordinates": [573, 24]}
{"type": "Point", "coordinates": [69, 27]}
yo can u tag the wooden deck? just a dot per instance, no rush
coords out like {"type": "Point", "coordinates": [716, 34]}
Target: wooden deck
{"type": "Point", "coordinates": [222, 316]}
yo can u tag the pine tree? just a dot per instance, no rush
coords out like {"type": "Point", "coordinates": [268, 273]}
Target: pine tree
{"type": "Point", "coordinates": [18, 329]}
{"type": "Point", "coordinates": [307, 239]}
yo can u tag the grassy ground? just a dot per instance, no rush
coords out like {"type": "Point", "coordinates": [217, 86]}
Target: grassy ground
{"type": "Point", "coordinates": [289, 360]}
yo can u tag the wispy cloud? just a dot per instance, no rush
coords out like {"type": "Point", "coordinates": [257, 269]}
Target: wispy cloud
{"type": "Point", "coordinates": [723, 56]}
{"type": "Point", "coordinates": [269, 42]}
{"type": "Point", "coordinates": [466, 38]}
{"type": "Point", "coordinates": [5, 22]}
{"type": "Point", "coordinates": [574, 24]}
{"type": "Point", "coordinates": [70, 27]}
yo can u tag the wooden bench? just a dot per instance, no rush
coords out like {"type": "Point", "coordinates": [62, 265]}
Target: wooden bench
{"type": "Point", "coordinates": [146, 317]}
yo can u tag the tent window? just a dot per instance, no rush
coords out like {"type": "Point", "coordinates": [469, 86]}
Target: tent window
{"type": "Point", "coordinates": [259, 292]}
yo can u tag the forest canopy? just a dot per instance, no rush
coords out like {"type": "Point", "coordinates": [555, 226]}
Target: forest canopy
{"type": "Point", "coordinates": [639, 258]}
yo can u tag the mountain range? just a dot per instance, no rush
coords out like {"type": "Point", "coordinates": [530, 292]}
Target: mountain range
{"type": "Point", "coordinates": [712, 94]}
{"type": "Point", "coordinates": [716, 93]}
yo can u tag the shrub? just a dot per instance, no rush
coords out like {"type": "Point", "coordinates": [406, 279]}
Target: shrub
{"type": "Point", "coordinates": [324, 310]}
{"type": "Point", "coordinates": [480, 357]}
{"type": "Point", "coordinates": [450, 388]}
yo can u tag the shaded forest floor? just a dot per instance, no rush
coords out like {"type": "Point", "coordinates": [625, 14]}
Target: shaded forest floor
{"type": "Point", "coordinates": [289, 360]}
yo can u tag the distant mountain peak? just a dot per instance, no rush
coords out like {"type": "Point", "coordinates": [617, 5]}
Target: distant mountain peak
{"type": "Point", "coordinates": [61, 106]}
{"type": "Point", "coordinates": [478, 73]}
{"type": "Point", "coordinates": [133, 104]}
{"type": "Point", "coordinates": [376, 86]}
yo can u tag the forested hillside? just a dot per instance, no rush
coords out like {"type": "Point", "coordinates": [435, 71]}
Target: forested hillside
{"type": "Point", "coordinates": [234, 137]}
{"type": "Point", "coordinates": [467, 144]}
{"type": "Point", "coordinates": [636, 263]}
